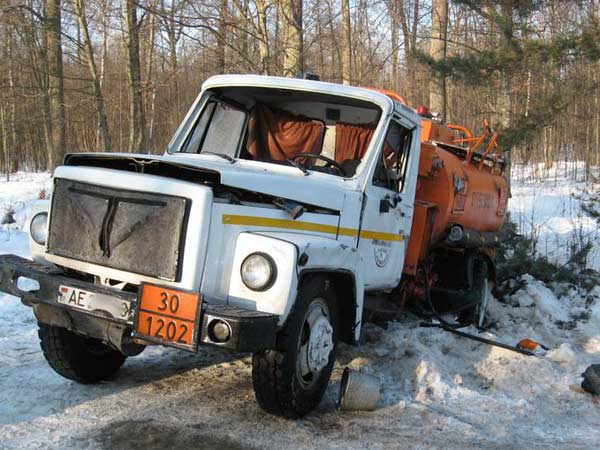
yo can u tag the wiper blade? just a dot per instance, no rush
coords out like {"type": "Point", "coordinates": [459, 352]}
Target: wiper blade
{"type": "Point", "coordinates": [297, 166]}
{"type": "Point", "coordinates": [221, 155]}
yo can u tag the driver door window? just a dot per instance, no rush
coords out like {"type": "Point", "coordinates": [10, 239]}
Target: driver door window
{"type": "Point", "coordinates": [391, 168]}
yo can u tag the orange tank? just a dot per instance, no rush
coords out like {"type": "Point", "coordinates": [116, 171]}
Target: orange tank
{"type": "Point", "coordinates": [458, 186]}
{"type": "Point", "coordinates": [461, 187]}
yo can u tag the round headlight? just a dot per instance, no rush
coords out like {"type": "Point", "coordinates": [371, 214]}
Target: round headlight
{"type": "Point", "coordinates": [258, 271]}
{"type": "Point", "coordinates": [39, 228]}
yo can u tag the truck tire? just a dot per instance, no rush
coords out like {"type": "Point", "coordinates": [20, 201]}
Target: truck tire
{"type": "Point", "coordinates": [482, 293]}
{"type": "Point", "coordinates": [291, 381]}
{"type": "Point", "coordinates": [78, 358]}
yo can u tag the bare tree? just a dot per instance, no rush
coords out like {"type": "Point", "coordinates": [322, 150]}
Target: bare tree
{"type": "Point", "coordinates": [263, 35]}
{"type": "Point", "coordinates": [79, 9]}
{"type": "Point", "coordinates": [404, 15]}
{"type": "Point", "coordinates": [437, 50]}
{"type": "Point", "coordinates": [549, 104]}
{"type": "Point", "coordinates": [347, 43]}
{"type": "Point", "coordinates": [222, 31]}
{"type": "Point", "coordinates": [56, 93]}
{"type": "Point", "coordinates": [151, 85]}
{"type": "Point", "coordinates": [293, 51]}
{"type": "Point", "coordinates": [137, 120]}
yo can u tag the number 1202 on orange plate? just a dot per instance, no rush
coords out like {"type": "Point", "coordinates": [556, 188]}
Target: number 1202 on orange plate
{"type": "Point", "coordinates": [168, 316]}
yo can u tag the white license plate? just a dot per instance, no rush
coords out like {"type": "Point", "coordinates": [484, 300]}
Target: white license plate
{"type": "Point", "coordinates": [101, 304]}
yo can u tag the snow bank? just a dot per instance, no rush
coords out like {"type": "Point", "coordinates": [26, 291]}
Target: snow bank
{"type": "Point", "coordinates": [484, 389]}
{"type": "Point", "coordinates": [548, 206]}
{"type": "Point", "coordinates": [19, 193]}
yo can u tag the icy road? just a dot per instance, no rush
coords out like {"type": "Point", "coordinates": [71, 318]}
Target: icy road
{"type": "Point", "coordinates": [438, 390]}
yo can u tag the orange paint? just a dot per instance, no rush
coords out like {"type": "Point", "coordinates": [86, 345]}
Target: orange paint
{"type": "Point", "coordinates": [167, 316]}
{"type": "Point", "coordinates": [170, 302]}
{"type": "Point", "coordinates": [461, 182]}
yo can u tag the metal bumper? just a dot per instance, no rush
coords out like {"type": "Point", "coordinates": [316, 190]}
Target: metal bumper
{"type": "Point", "coordinates": [250, 331]}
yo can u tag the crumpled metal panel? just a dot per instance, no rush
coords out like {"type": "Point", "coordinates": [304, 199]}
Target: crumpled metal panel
{"type": "Point", "coordinates": [133, 231]}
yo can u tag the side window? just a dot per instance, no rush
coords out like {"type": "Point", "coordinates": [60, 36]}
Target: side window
{"type": "Point", "coordinates": [393, 161]}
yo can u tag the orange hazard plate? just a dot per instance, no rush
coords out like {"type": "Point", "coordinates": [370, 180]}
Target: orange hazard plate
{"type": "Point", "coordinates": [168, 316]}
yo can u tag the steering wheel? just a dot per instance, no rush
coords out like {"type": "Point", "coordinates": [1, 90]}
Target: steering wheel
{"type": "Point", "coordinates": [330, 162]}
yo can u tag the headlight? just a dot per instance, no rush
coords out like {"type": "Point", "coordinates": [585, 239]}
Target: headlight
{"type": "Point", "coordinates": [39, 228]}
{"type": "Point", "coordinates": [258, 271]}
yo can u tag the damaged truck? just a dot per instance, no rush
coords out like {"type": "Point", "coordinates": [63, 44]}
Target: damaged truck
{"type": "Point", "coordinates": [280, 209]}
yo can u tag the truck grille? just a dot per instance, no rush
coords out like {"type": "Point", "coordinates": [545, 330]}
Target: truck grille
{"type": "Point", "coordinates": [133, 231]}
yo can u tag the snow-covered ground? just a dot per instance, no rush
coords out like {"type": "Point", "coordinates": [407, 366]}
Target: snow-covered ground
{"type": "Point", "coordinates": [438, 390]}
{"type": "Point", "coordinates": [551, 211]}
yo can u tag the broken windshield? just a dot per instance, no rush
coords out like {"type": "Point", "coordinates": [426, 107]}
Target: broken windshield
{"type": "Point", "coordinates": [218, 130]}
{"type": "Point", "coordinates": [318, 132]}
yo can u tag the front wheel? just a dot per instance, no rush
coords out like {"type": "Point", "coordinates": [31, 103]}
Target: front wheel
{"type": "Point", "coordinates": [291, 381]}
{"type": "Point", "coordinates": [78, 358]}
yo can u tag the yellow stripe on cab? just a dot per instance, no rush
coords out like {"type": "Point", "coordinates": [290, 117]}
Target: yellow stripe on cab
{"type": "Point", "coordinates": [255, 221]}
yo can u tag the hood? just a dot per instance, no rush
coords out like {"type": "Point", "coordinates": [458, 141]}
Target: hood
{"type": "Point", "coordinates": [317, 189]}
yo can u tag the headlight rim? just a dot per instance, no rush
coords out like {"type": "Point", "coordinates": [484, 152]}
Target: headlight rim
{"type": "Point", "coordinates": [31, 232]}
{"type": "Point", "coordinates": [273, 276]}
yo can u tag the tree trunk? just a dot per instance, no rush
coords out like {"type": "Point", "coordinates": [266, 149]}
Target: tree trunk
{"type": "Point", "coordinates": [395, 25]}
{"type": "Point", "coordinates": [222, 31]}
{"type": "Point", "coordinates": [293, 51]}
{"type": "Point", "coordinates": [79, 9]}
{"type": "Point", "coordinates": [347, 43]}
{"type": "Point", "coordinates": [409, 33]}
{"type": "Point", "coordinates": [504, 99]}
{"type": "Point", "coordinates": [137, 120]}
{"type": "Point", "coordinates": [263, 36]}
{"type": "Point", "coordinates": [5, 149]}
{"type": "Point", "coordinates": [56, 94]}
{"type": "Point", "coordinates": [151, 91]}
{"type": "Point", "coordinates": [14, 143]}
{"type": "Point", "coordinates": [437, 50]}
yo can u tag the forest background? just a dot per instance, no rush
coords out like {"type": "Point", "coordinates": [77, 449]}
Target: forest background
{"type": "Point", "coordinates": [96, 75]}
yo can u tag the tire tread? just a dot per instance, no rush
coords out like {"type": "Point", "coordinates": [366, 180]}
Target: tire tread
{"type": "Point", "coordinates": [273, 371]}
{"type": "Point", "coordinates": [66, 353]}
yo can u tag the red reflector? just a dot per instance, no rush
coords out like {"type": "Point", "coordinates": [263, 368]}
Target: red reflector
{"type": "Point", "coordinates": [423, 111]}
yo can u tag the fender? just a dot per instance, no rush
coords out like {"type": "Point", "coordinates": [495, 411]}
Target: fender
{"type": "Point", "coordinates": [297, 255]}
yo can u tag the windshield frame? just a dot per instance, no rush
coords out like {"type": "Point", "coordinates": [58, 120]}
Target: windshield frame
{"type": "Point", "coordinates": [382, 102]}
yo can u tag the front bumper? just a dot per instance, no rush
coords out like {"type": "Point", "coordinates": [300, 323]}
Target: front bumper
{"type": "Point", "coordinates": [250, 330]}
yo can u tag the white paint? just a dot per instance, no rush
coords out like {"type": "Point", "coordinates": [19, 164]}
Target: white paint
{"type": "Point", "coordinates": [278, 299]}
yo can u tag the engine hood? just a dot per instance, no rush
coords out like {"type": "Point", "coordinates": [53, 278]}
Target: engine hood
{"type": "Point", "coordinates": [318, 189]}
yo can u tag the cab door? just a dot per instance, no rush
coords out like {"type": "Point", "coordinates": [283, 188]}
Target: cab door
{"type": "Point", "coordinates": [388, 206]}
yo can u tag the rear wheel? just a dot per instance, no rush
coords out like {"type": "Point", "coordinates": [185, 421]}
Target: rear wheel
{"type": "Point", "coordinates": [291, 381]}
{"type": "Point", "coordinates": [481, 293]}
{"type": "Point", "coordinates": [78, 358]}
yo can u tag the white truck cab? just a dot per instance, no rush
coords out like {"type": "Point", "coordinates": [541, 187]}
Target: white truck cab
{"type": "Point", "coordinates": [278, 203]}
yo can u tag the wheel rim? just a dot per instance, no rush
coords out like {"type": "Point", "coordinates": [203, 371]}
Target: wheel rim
{"type": "Point", "coordinates": [315, 343]}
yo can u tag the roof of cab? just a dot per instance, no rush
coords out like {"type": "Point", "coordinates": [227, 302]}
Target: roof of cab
{"type": "Point", "coordinates": [382, 100]}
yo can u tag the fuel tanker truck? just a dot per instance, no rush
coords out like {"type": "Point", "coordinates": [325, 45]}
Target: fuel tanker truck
{"type": "Point", "coordinates": [281, 210]}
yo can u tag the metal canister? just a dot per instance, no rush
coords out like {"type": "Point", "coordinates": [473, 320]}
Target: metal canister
{"type": "Point", "coordinates": [358, 391]}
